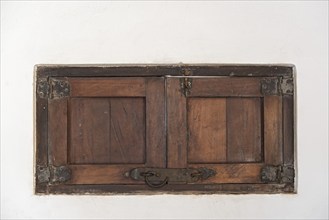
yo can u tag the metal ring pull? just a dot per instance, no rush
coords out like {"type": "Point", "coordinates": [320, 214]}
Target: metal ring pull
{"type": "Point", "coordinates": [153, 185]}
{"type": "Point", "coordinates": [149, 174]}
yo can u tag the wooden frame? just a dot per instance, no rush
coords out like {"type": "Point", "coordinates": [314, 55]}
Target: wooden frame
{"type": "Point", "coordinates": [278, 139]}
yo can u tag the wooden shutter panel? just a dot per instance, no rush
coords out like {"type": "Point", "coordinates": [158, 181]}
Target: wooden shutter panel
{"type": "Point", "coordinates": [165, 129]}
{"type": "Point", "coordinates": [227, 125]}
{"type": "Point", "coordinates": [106, 127]}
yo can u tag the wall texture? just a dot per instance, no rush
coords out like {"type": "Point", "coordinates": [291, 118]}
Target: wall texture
{"type": "Point", "coordinates": [160, 32]}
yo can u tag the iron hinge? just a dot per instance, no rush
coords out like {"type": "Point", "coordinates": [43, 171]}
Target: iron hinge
{"type": "Point", "coordinates": [186, 86]}
{"type": "Point", "coordinates": [278, 174]}
{"type": "Point", "coordinates": [53, 89]}
{"type": "Point", "coordinates": [186, 83]}
{"type": "Point", "coordinates": [53, 174]}
{"type": "Point", "coordinates": [277, 86]}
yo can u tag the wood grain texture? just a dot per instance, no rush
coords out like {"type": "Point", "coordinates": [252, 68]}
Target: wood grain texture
{"type": "Point", "coordinates": [155, 123]}
{"type": "Point", "coordinates": [206, 130]}
{"type": "Point", "coordinates": [231, 178]}
{"type": "Point", "coordinates": [41, 131]}
{"type": "Point", "coordinates": [57, 131]}
{"type": "Point", "coordinates": [165, 69]}
{"type": "Point", "coordinates": [102, 174]}
{"type": "Point", "coordinates": [127, 135]}
{"type": "Point", "coordinates": [244, 130]}
{"type": "Point", "coordinates": [41, 140]}
{"type": "Point", "coordinates": [117, 174]}
{"type": "Point", "coordinates": [190, 189]}
{"type": "Point", "coordinates": [107, 130]}
{"type": "Point", "coordinates": [233, 173]}
{"type": "Point", "coordinates": [273, 130]}
{"type": "Point", "coordinates": [107, 87]}
{"type": "Point", "coordinates": [288, 129]}
{"type": "Point", "coordinates": [176, 122]}
{"type": "Point", "coordinates": [213, 87]}
{"type": "Point", "coordinates": [89, 130]}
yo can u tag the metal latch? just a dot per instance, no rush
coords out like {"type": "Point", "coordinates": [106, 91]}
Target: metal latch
{"type": "Point", "coordinates": [159, 177]}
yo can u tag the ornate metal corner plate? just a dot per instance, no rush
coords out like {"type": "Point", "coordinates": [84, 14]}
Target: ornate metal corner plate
{"type": "Point", "coordinates": [277, 174]}
{"type": "Point", "coordinates": [270, 86]}
{"type": "Point", "coordinates": [54, 89]}
{"type": "Point", "coordinates": [277, 86]}
{"type": "Point", "coordinates": [53, 174]}
{"type": "Point", "coordinates": [59, 88]}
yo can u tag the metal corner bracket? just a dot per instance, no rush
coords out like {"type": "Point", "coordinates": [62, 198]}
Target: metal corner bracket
{"type": "Point", "coordinates": [53, 174]}
{"type": "Point", "coordinates": [53, 88]}
{"type": "Point", "coordinates": [277, 86]}
{"type": "Point", "coordinates": [277, 174]}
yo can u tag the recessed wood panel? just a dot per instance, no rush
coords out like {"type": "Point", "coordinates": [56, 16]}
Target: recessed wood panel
{"type": "Point", "coordinates": [244, 130]}
{"type": "Point", "coordinates": [90, 130]}
{"type": "Point", "coordinates": [206, 130]}
{"type": "Point", "coordinates": [127, 135]}
{"type": "Point", "coordinates": [107, 130]}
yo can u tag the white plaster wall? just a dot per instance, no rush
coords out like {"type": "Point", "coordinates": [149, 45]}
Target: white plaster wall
{"type": "Point", "coordinates": [163, 32]}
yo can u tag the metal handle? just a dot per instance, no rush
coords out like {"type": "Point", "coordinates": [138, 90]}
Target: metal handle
{"type": "Point", "coordinates": [159, 177]}
{"type": "Point", "coordinates": [149, 174]}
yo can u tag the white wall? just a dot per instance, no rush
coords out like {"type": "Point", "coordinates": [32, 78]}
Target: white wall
{"type": "Point", "coordinates": [159, 32]}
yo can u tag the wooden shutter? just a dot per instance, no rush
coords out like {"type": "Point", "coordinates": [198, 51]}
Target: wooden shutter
{"type": "Point", "coordinates": [120, 129]}
{"type": "Point", "coordinates": [225, 124]}
{"type": "Point", "coordinates": [104, 128]}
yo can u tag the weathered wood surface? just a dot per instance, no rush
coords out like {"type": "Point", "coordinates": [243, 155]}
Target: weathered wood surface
{"type": "Point", "coordinates": [244, 130]}
{"type": "Point", "coordinates": [140, 117]}
{"type": "Point", "coordinates": [176, 125]}
{"type": "Point", "coordinates": [207, 130]}
{"type": "Point", "coordinates": [189, 189]}
{"type": "Point", "coordinates": [273, 130]}
{"type": "Point", "coordinates": [214, 87]}
{"type": "Point", "coordinates": [155, 123]}
{"type": "Point", "coordinates": [57, 131]}
{"type": "Point", "coordinates": [162, 70]}
{"type": "Point", "coordinates": [105, 87]}
{"type": "Point", "coordinates": [107, 130]}
{"type": "Point", "coordinates": [288, 130]}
